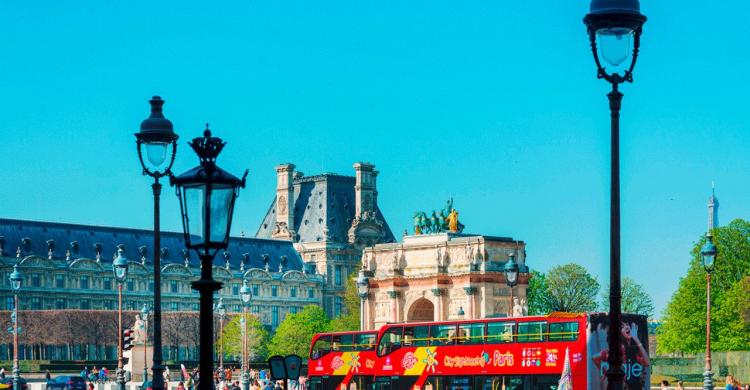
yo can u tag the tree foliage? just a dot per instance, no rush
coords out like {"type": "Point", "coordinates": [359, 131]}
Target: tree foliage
{"type": "Point", "coordinates": [634, 299]}
{"type": "Point", "coordinates": [349, 318]}
{"type": "Point", "coordinates": [684, 327]}
{"type": "Point", "coordinates": [567, 288]}
{"type": "Point", "coordinates": [294, 334]}
{"type": "Point", "coordinates": [257, 338]}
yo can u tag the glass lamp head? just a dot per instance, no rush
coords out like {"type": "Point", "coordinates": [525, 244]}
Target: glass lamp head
{"type": "Point", "coordinates": [156, 134]}
{"type": "Point", "coordinates": [363, 284]}
{"type": "Point", "coordinates": [145, 311]}
{"type": "Point", "coordinates": [246, 293]}
{"type": "Point", "coordinates": [16, 279]}
{"type": "Point", "coordinates": [614, 29]}
{"type": "Point", "coordinates": [220, 309]}
{"type": "Point", "coordinates": [120, 266]}
{"type": "Point", "coordinates": [511, 270]}
{"type": "Point", "coordinates": [708, 253]}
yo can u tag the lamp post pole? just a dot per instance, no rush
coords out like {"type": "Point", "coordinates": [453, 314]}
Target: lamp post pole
{"type": "Point", "coordinates": [16, 279]}
{"type": "Point", "coordinates": [120, 269]}
{"type": "Point", "coordinates": [145, 314]}
{"type": "Point", "coordinates": [245, 295]}
{"type": "Point", "coordinates": [708, 255]}
{"type": "Point", "coordinates": [156, 134]}
{"type": "Point", "coordinates": [511, 278]}
{"type": "Point", "coordinates": [363, 289]}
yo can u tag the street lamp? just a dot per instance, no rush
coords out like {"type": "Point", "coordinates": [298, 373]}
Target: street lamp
{"type": "Point", "coordinates": [511, 278]}
{"type": "Point", "coordinates": [145, 312]}
{"type": "Point", "coordinates": [246, 294]}
{"type": "Point", "coordinates": [222, 312]}
{"type": "Point", "coordinates": [120, 269]}
{"type": "Point", "coordinates": [207, 194]}
{"type": "Point", "coordinates": [16, 280]}
{"type": "Point", "coordinates": [617, 26]}
{"type": "Point", "coordinates": [156, 135]}
{"type": "Point", "coordinates": [708, 255]}
{"type": "Point", "coordinates": [363, 288]}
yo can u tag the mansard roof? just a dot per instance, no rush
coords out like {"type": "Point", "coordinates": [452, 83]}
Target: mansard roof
{"type": "Point", "coordinates": [85, 241]}
{"type": "Point", "coordinates": [322, 204]}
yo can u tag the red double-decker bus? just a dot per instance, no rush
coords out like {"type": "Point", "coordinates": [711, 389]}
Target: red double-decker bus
{"type": "Point", "coordinates": [525, 353]}
{"type": "Point", "coordinates": [342, 361]}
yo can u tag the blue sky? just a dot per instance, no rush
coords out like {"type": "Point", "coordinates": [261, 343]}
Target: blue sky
{"type": "Point", "coordinates": [493, 103]}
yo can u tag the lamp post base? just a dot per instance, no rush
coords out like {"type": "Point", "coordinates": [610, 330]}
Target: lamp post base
{"type": "Point", "coordinates": [245, 380]}
{"type": "Point", "coordinates": [16, 377]}
{"type": "Point", "coordinates": [206, 286]}
{"type": "Point", "coordinates": [708, 382]}
{"type": "Point", "coordinates": [120, 379]}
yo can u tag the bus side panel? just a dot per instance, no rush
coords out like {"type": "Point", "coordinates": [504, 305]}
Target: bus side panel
{"type": "Point", "coordinates": [634, 346]}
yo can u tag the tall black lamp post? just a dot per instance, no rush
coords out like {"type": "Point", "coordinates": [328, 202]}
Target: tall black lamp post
{"type": "Point", "coordinates": [156, 136]}
{"type": "Point", "coordinates": [120, 269]}
{"type": "Point", "coordinates": [145, 313]}
{"type": "Point", "coordinates": [511, 278]}
{"type": "Point", "coordinates": [221, 310]}
{"type": "Point", "coordinates": [16, 280]}
{"type": "Point", "coordinates": [616, 25]}
{"type": "Point", "coordinates": [708, 255]}
{"type": "Point", "coordinates": [246, 294]}
{"type": "Point", "coordinates": [363, 290]}
{"type": "Point", "coordinates": [207, 194]}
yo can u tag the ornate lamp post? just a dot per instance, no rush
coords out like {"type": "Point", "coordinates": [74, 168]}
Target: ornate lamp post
{"type": "Point", "coordinates": [614, 24]}
{"type": "Point", "coordinates": [16, 280]}
{"type": "Point", "coordinates": [246, 294]}
{"type": "Point", "coordinates": [207, 194]}
{"type": "Point", "coordinates": [145, 312]}
{"type": "Point", "coordinates": [222, 312]}
{"type": "Point", "coordinates": [156, 136]}
{"type": "Point", "coordinates": [120, 269]}
{"type": "Point", "coordinates": [708, 255]}
{"type": "Point", "coordinates": [511, 278]}
{"type": "Point", "coordinates": [363, 289]}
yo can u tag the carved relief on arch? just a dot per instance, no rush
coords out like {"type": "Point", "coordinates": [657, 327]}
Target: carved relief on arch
{"type": "Point", "coordinates": [36, 261]}
{"type": "Point", "coordinates": [86, 264]}
{"type": "Point", "coordinates": [294, 275]}
{"type": "Point", "coordinates": [175, 269]}
{"type": "Point", "coordinates": [222, 272]}
{"type": "Point", "coordinates": [257, 274]}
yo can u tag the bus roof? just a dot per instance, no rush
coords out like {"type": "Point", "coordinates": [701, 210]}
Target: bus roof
{"type": "Point", "coordinates": [554, 315]}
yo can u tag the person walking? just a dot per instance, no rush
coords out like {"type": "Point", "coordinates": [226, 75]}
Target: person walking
{"type": "Point", "coordinates": [47, 375]}
{"type": "Point", "coordinates": [679, 386]}
{"type": "Point", "coordinates": [664, 385]}
{"type": "Point", "coordinates": [181, 386]}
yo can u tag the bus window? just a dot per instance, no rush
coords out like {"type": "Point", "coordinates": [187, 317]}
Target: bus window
{"type": "Point", "coordinates": [500, 332]}
{"type": "Point", "coordinates": [442, 334]}
{"type": "Point", "coordinates": [321, 347]}
{"type": "Point", "coordinates": [383, 383]}
{"type": "Point", "coordinates": [390, 341]}
{"type": "Point", "coordinates": [563, 331]}
{"type": "Point", "coordinates": [435, 383]}
{"type": "Point", "coordinates": [342, 343]}
{"type": "Point", "coordinates": [459, 383]}
{"type": "Point", "coordinates": [416, 336]}
{"type": "Point", "coordinates": [531, 331]}
{"type": "Point", "coordinates": [315, 383]}
{"type": "Point", "coordinates": [471, 333]}
{"type": "Point", "coordinates": [365, 342]}
{"type": "Point", "coordinates": [488, 382]}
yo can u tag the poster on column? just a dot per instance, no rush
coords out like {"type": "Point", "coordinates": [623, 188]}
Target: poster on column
{"type": "Point", "coordinates": [633, 349]}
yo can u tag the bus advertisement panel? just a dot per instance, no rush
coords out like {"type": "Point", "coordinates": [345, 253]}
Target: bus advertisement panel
{"type": "Point", "coordinates": [342, 361]}
{"type": "Point", "coordinates": [634, 350]}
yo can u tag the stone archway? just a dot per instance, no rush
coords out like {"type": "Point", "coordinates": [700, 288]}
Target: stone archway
{"type": "Point", "coordinates": [422, 310]}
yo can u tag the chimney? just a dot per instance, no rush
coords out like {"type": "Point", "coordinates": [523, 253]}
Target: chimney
{"type": "Point", "coordinates": [284, 202]}
{"type": "Point", "coordinates": [365, 189]}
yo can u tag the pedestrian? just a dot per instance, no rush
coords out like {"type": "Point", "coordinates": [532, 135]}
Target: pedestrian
{"type": "Point", "coordinates": [679, 386]}
{"type": "Point", "coordinates": [91, 386]}
{"type": "Point", "coordinates": [729, 383]}
{"type": "Point", "coordinates": [190, 382]}
{"type": "Point", "coordinates": [2, 372]}
{"type": "Point", "coordinates": [181, 386]}
{"type": "Point", "coordinates": [664, 385]}
{"type": "Point", "coordinates": [47, 375]}
{"type": "Point", "coordinates": [166, 377]}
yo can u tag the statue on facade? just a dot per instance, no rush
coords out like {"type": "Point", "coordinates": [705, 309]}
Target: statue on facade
{"type": "Point", "coordinates": [139, 330]}
{"type": "Point", "coordinates": [517, 308]}
{"type": "Point", "coordinates": [445, 221]}
{"type": "Point", "coordinates": [524, 306]}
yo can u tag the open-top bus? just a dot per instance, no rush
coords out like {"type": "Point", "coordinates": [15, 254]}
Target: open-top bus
{"type": "Point", "coordinates": [342, 361]}
{"type": "Point", "coordinates": [507, 353]}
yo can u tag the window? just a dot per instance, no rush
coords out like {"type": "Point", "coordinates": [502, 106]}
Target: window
{"type": "Point", "coordinates": [107, 284]}
{"type": "Point", "coordinates": [338, 306]}
{"type": "Point", "coordinates": [311, 293]}
{"type": "Point", "coordinates": [321, 347]}
{"type": "Point", "coordinates": [471, 333]}
{"type": "Point", "coordinates": [256, 290]}
{"type": "Point", "coordinates": [563, 331]}
{"type": "Point", "coordinates": [194, 306]}
{"type": "Point", "coordinates": [275, 316]}
{"type": "Point", "coordinates": [36, 303]}
{"type": "Point", "coordinates": [84, 282]}
{"type": "Point", "coordinates": [442, 334]}
{"type": "Point", "coordinates": [36, 280]}
{"type": "Point", "coordinates": [365, 341]}
{"type": "Point", "coordinates": [109, 304]}
{"type": "Point", "coordinates": [9, 303]}
{"type": "Point", "coordinates": [235, 289]}
{"type": "Point", "coordinates": [531, 331]}
{"type": "Point", "coordinates": [60, 304]}
{"type": "Point", "coordinates": [293, 292]}
{"type": "Point", "coordinates": [416, 336]}
{"type": "Point", "coordinates": [500, 332]}
{"type": "Point", "coordinates": [256, 309]}
{"type": "Point", "coordinates": [174, 306]}
{"type": "Point", "coordinates": [390, 341]}
{"type": "Point", "coordinates": [342, 343]}
{"type": "Point", "coordinates": [173, 287]}
{"type": "Point", "coordinates": [85, 304]}
{"type": "Point", "coordinates": [338, 275]}
{"type": "Point", "coordinates": [130, 285]}
{"type": "Point", "coordinates": [60, 281]}
{"type": "Point", "coordinates": [293, 309]}
{"type": "Point", "coordinates": [274, 291]}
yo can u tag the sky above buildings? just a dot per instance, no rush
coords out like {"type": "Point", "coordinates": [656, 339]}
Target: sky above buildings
{"type": "Point", "coordinates": [495, 104]}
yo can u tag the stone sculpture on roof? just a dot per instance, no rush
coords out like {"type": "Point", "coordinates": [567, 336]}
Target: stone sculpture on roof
{"type": "Point", "coordinates": [447, 221]}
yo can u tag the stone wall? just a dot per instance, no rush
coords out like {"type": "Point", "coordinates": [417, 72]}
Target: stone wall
{"type": "Point", "coordinates": [689, 368]}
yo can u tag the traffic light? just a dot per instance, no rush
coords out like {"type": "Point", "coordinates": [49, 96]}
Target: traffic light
{"type": "Point", "coordinates": [127, 339]}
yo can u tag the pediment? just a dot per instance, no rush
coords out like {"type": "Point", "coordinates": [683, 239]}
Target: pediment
{"type": "Point", "coordinates": [86, 265]}
{"type": "Point", "coordinates": [176, 269]}
{"type": "Point", "coordinates": [294, 275]}
{"type": "Point", "coordinates": [36, 261]}
{"type": "Point", "coordinates": [257, 274]}
{"type": "Point", "coordinates": [222, 272]}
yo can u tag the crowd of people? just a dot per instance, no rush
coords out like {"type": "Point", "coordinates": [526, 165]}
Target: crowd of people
{"type": "Point", "coordinates": [731, 384]}
{"type": "Point", "coordinates": [224, 379]}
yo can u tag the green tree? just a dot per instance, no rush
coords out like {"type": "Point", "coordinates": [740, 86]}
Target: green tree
{"type": "Point", "coordinates": [634, 299]}
{"type": "Point", "coordinates": [570, 288]}
{"type": "Point", "coordinates": [684, 324]}
{"type": "Point", "coordinates": [294, 334]}
{"type": "Point", "coordinates": [349, 318]}
{"type": "Point", "coordinates": [536, 294]}
{"type": "Point", "coordinates": [257, 338]}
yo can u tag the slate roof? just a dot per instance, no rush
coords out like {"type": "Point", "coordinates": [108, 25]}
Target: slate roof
{"type": "Point", "coordinates": [320, 202]}
{"type": "Point", "coordinates": [14, 232]}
